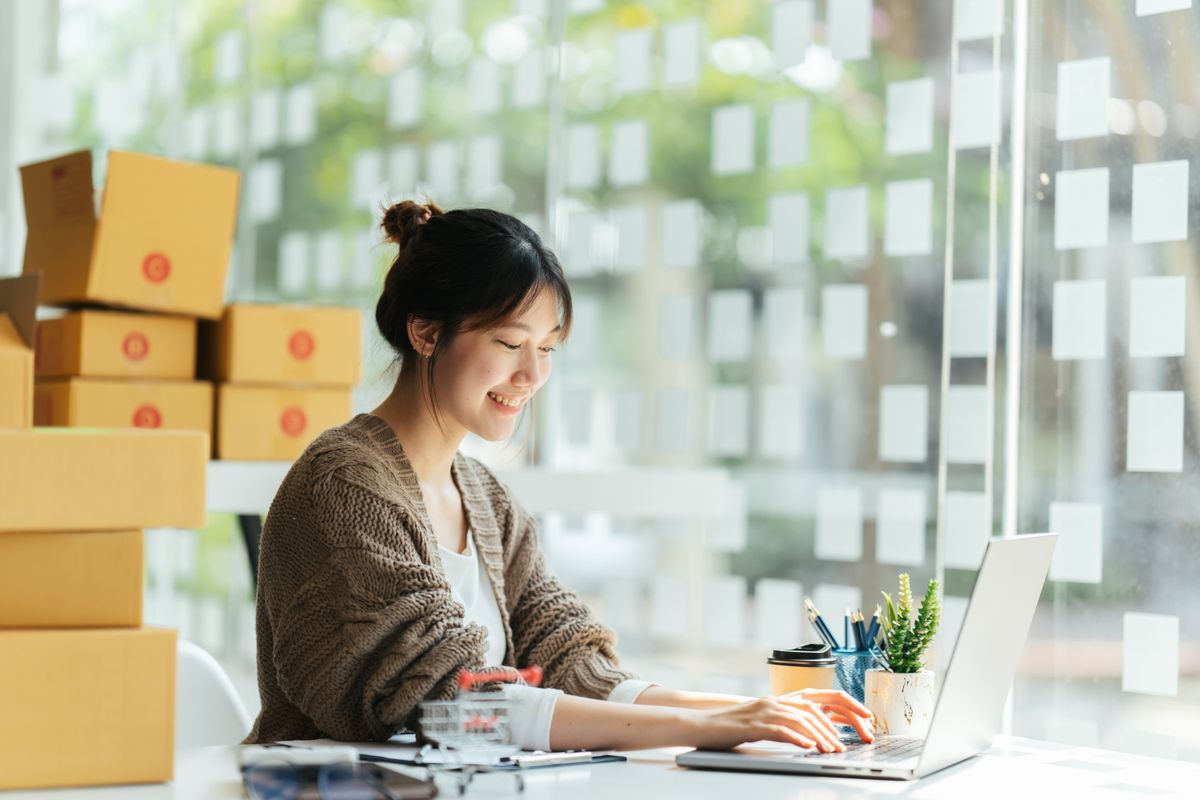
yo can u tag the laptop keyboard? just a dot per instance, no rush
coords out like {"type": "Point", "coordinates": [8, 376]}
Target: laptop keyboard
{"type": "Point", "coordinates": [891, 748]}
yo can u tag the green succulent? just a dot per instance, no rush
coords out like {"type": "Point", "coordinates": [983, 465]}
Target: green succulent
{"type": "Point", "coordinates": [906, 639]}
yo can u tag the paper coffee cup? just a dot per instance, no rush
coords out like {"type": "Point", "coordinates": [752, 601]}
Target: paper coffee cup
{"type": "Point", "coordinates": [811, 666]}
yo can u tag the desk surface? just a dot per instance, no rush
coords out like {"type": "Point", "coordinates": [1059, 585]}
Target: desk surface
{"type": "Point", "coordinates": [1014, 767]}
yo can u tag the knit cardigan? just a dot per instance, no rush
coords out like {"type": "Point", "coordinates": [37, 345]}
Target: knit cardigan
{"type": "Point", "coordinates": [356, 622]}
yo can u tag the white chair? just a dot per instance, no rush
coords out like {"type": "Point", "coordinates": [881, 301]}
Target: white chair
{"type": "Point", "coordinates": [208, 710]}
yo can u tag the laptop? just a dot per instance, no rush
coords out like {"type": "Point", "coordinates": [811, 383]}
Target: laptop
{"type": "Point", "coordinates": [974, 686]}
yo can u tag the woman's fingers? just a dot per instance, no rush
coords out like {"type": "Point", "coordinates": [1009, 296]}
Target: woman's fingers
{"type": "Point", "coordinates": [834, 698]}
{"type": "Point", "coordinates": [811, 724]}
{"type": "Point", "coordinates": [813, 710]}
{"type": "Point", "coordinates": [864, 725]}
{"type": "Point", "coordinates": [782, 733]}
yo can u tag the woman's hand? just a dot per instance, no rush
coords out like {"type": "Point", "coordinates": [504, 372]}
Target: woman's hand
{"type": "Point", "coordinates": [840, 707]}
{"type": "Point", "coordinates": [795, 720]}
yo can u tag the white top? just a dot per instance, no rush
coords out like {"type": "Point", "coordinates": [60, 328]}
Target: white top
{"type": "Point", "coordinates": [532, 708]}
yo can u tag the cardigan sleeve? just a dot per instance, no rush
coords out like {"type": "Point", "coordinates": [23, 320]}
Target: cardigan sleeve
{"type": "Point", "coordinates": [373, 630]}
{"type": "Point", "coordinates": [551, 626]}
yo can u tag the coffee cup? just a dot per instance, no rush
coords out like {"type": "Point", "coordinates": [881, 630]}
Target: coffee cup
{"type": "Point", "coordinates": [810, 666]}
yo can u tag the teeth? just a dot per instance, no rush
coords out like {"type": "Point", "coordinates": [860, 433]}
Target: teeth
{"type": "Point", "coordinates": [502, 401]}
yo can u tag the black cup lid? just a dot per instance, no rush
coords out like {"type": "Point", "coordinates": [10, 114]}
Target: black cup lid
{"type": "Point", "coordinates": [811, 655]}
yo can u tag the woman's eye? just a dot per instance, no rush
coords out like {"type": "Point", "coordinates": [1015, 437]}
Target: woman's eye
{"type": "Point", "coordinates": [509, 346]}
{"type": "Point", "coordinates": [547, 350]}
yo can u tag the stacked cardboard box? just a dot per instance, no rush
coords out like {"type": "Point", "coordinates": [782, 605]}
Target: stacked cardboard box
{"type": "Point", "coordinates": [88, 692]}
{"type": "Point", "coordinates": [18, 303]}
{"type": "Point", "coordinates": [284, 374]}
{"type": "Point", "coordinates": [158, 248]}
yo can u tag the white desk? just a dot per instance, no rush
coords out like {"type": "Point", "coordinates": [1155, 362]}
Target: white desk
{"type": "Point", "coordinates": [1013, 768]}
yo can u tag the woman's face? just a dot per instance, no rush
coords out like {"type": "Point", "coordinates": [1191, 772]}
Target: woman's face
{"type": "Point", "coordinates": [485, 378]}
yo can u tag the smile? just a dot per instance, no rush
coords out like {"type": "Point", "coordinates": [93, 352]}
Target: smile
{"type": "Point", "coordinates": [504, 401]}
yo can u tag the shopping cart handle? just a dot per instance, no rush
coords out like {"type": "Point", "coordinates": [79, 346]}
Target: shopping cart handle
{"type": "Point", "coordinates": [468, 679]}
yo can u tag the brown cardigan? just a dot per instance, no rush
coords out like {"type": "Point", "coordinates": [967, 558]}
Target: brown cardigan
{"type": "Point", "coordinates": [356, 623]}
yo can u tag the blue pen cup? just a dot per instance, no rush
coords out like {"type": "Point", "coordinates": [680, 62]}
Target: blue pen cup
{"type": "Point", "coordinates": [851, 670]}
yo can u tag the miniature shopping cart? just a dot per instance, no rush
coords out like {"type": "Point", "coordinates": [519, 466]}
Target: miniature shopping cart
{"type": "Point", "coordinates": [471, 733]}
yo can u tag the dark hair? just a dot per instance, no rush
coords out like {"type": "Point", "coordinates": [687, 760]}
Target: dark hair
{"type": "Point", "coordinates": [467, 269]}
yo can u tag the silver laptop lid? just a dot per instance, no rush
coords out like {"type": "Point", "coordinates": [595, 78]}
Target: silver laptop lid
{"type": "Point", "coordinates": [978, 676]}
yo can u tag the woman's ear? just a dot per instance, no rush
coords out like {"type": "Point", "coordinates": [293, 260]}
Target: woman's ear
{"type": "Point", "coordinates": [422, 335]}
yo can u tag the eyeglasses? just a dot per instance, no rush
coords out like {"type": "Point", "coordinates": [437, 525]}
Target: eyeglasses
{"type": "Point", "coordinates": [280, 780]}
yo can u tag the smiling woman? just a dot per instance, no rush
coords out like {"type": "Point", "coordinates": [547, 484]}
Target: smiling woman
{"type": "Point", "coordinates": [390, 563]}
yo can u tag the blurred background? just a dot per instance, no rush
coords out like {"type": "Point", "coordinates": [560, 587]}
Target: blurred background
{"type": "Point", "coordinates": [858, 284]}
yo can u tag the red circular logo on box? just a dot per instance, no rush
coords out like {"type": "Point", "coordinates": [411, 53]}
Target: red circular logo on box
{"type": "Point", "coordinates": [135, 346]}
{"type": "Point", "coordinates": [156, 267]}
{"type": "Point", "coordinates": [301, 345]}
{"type": "Point", "coordinates": [147, 416]}
{"type": "Point", "coordinates": [292, 421]}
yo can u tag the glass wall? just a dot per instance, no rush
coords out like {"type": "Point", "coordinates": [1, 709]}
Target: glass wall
{"type": "Point", "coordinates": [911, 273]}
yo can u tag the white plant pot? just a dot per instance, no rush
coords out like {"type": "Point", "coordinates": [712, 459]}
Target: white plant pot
{"type": "Point", "coordinates": [901, 702]}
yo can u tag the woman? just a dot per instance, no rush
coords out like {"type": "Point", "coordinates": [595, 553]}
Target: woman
{"type": "Point", "coordinates": [390, 562]}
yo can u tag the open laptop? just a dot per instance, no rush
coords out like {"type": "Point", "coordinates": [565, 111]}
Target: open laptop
{"type": "Point", "coordinates": [974, 687]}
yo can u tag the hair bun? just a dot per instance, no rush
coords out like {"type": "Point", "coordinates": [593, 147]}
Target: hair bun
{"type": "Point", "coordinates": [402, 220]}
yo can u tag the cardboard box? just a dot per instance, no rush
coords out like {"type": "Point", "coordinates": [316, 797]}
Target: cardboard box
{"type": "Point", "coordinates": [160, 242]}
{"type": "Point", "coordinates": [111, 344]}
{"type": "Point", "coordinates": [257, 423]}
{"type": "Point", "coordinates": [108, 403]}
{"type": "Point", "coordinates": [63, 479]}
{"type": "Point", "coordinates": [87, 707]}
{"type": "Point", "coordinates": [18, 307]}
{"type": "Point", "coordinates": [78, 579]}
{"type": "Point", "coordinates": [271, 344]}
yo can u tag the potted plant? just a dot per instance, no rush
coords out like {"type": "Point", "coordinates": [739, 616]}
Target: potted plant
{"type": "Point", "coordinates": [901, 693]}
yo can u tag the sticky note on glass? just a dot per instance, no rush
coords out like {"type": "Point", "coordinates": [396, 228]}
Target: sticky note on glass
{"type": "Point", "coordinates": [669, 606]}
{"type": "Point", "coordinates": [1079, 328]}
{"type": "Point", "coordinates": [900, 527]}
{"type": "Point", "coordinates": [676, 327]}
{"type": "Point", "coordinates": [973, 120]}
{"type": "Point", "coordinates": [295, 258]}
{"type": "Point", "coordinates": [909, 123]}
{"type": "Point", "coordinates": [301, 114]}
{"type": "Point", "coordinates": [629, 153]}
{"type": "Point", "coordinates": [483, 87]}
{"type": "Point", "coordinates": [791, 32]}
{"type": "Point", "coordinates": [904, 423]}
{"type": "Point", "coordinates": [1160, 201]}
{"type": "Point", "coordinates": [725, 610]}
{"type": "Point", "coordinates": [681, 53]}
{"type": "Point", "coordinates": [978, 19]}
{"type": "Point", "coordinates": [627, 420]}
{"type": "Point", "coordinates": [784, 324]}
{"type": "Point", "coordinates": [781, 422]}
{"type": "Point", "coordinates": [1146, 7]}
{"type": "Point", "coordinates": [787, 142]}
{"type": "Point", "coordinates": [264, 118]}
{"type": "Point", "coordinates": [849, 23]}
{"type": "Point", "coordinates": [483, 164]}
{"type": "Point", "coordinates": [329, 261]}
{"type": "Point", "coordinates": [1083, 90]}
{"type": "Point", "coordinates": [1154, 438]}
{"type": "Point", "coordinates": [1079, 552]}
{"type": "Point", "coordinates": [968, 527]}
{"type": "Point", "coordinates": [844, 321]}
{"type": "Point", "coordinates": [442, 167]}
{"type": "Point", "coordinates": [583, 156]}
{"type": "Point", "coordinates": [581, 237]}
{"type": "Point", "coordinates": [1157, 315]}
{"type": "Point", "coordinates": [228, 119]}
{"type": "Point", "coordinates": [632, 62]}
{"type": "Point", "coordinates": [403, 169]}
{"type": "Point", "coordinates": [729, 319]}
{"type": "Point", "coordinates": [970, 304]}
{"type": "Point", "coordinates": [909, 222]}
{"type": "Point", "coordinates": [529, 79]}
{"type": "Point", "coordinates": [406, 98]}
{"type": "Point", "coordinates": [585, 329]}
{"type": "Point", "coordinates": [681, 234]}
{"type": "Point", "coordinates": [632, 231]}
{"type": "Point", "coordinates": [728, 420]}
{"type": "Point", "coordinates": [1081, 208]}
{"type": "Point", "coordinates": [673, 417]}
{"type": "Point", "coordinates": [266, 189]}
{"type": "Point", "coordinates": [732, 140]}
{"type": "Point", "coordinates": [846, 222]}
{"type": "Point", "coordinates": [839, 523]}
{"type": "Point", "coordinates": [787, 220]}
{"type": "Point", "coordinates": [832, 600]}
{"type": "Point", "coordinates": [1150, 654]}
{"type": "Point", "coordinates": [965, 430]}
{"type": "Point", "coordinates": [777, 605]}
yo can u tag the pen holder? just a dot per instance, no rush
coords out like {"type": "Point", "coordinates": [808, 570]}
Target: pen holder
{"type": "Point", "coordinates": [851, 669]}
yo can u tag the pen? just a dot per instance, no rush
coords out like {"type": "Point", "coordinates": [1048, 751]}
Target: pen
{"type": "Point", "coordinates": [814, 616]}
{"type": "Point", "coordinates": [873, 630]}
{"type": "Point", "coordinates": [860, 630]}
{"type": "Point", "coordinates": [846, 628]}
